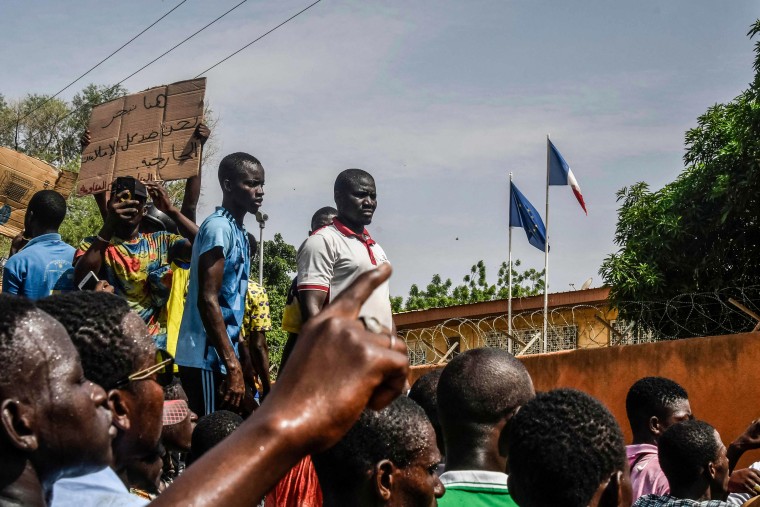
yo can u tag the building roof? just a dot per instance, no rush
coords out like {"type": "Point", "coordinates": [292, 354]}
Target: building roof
{"type": "Point", "coordinates": [433, 316]}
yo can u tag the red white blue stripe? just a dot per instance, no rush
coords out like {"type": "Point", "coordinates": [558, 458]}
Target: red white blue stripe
{"type": "Point", "coordinates": [561, 174]}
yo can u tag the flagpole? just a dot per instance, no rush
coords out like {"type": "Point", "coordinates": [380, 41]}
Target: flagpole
{"type": "Point", "coordinates": [509, 300]}
{"type": "Point", "coordinates": [546, 255]}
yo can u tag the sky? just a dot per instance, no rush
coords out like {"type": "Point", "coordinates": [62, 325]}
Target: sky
{"type": "Point", "coordinates": [438, 99]}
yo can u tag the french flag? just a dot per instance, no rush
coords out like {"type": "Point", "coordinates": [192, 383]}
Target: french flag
{"type": "Point", "coordinates": [561, 174]}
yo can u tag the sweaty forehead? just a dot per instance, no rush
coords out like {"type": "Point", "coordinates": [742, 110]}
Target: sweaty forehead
{"type": "Point", "coordinates": [44, 349]}
{"type": "Point", "coordinates": [142, 344]}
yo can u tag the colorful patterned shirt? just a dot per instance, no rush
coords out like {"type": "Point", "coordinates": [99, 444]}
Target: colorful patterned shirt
{"type": "Point", "coordinates": [139, 271]}
{"type": "Point", "coordinates": [256, 310]}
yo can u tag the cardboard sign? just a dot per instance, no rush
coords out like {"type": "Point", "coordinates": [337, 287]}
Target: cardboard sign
{"type": "Point", "coordinates": [147, 135]}
{"type": "Point", "coordinates": [21, 176]}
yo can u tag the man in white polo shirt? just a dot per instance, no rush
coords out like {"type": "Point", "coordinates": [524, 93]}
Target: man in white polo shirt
{"type": "Point", "coordinates": [333, 256]}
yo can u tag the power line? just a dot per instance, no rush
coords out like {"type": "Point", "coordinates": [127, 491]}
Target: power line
{"type": "Point", "coordinates": [259, 38]}
{"type": "Point", "coordinates": [179, 44]}
{"type": "Point", "coordinates": [154, 60]}
{"type": "Point", "coordinates": [101, 61]}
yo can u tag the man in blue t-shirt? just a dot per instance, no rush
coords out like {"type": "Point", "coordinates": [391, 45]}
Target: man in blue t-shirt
{"type": "Point", "coordinates": [43, 266]}
{"type": "Point", "coordinates": [207, 349]}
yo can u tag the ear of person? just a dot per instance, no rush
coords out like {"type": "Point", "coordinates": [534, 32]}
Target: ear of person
{"type": "Point", "coordinates": [17, 421]}
{"type": "Point", "coordinates": [614, 492]}
{"type": "Point", "coordinates": [119, 409]}
{"type": "Point", "coordinates": [384, 479]}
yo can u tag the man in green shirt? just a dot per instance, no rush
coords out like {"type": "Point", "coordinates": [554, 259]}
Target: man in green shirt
{"type": "Point", "coordinates": [478, 393]}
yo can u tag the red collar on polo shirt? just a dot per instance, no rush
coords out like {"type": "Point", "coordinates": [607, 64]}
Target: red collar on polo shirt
{"type": "Point", "coordinates": [364, 237]}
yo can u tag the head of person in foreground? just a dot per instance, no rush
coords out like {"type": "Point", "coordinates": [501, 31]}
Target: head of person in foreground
{"type": "Point", "coordinates": [478, 393]}
{"type": "Point", "coordinates": [119, 355]}
{"type": "Point", "coordinates": [389, 457]}
{"type": "Point", "coordinates": [693, 458]}
{"type": "Point", "coordinates": [55, 422]}
{"type": "Point", "coordinates": [565, 448]}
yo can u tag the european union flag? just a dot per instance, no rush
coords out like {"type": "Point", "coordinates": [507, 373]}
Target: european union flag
{"type": "Point", "coordinates": [523, 214]}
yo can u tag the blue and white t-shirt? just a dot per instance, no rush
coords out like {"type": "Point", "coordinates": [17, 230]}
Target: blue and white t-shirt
{"type": "Point", "coordinates": [43, 267]}
{"type": "Point", "coordinates": [218, 230]}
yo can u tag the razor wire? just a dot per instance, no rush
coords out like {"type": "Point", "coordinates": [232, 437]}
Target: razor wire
{"type": "Point", "coordinates": [591, 325]}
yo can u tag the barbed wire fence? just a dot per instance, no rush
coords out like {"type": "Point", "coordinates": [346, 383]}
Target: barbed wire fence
{"type": "Point", "coordinates": [726, 311]}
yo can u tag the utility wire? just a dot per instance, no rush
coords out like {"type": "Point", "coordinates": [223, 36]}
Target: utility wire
{"type": "Point", "coordinates": [100, 62]}
{"type": "Point", "coordinates": [179, 44]}
{"type": "Point", "coordinates": [259, 38]}
{"type": "Point", "coordinates": [154, 60]}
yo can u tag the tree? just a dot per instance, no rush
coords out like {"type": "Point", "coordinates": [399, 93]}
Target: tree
{"type": "Point", "coordinates": [439, 293]}
{"type": "Point", "coordinates": [699, 233]}
{"type": "Point", "coordinates": [279, 269]}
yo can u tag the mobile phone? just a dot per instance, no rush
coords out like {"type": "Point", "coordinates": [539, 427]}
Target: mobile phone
{"type": "Point", "coordinates": [124, 183]}
{"type": "Point", "coordinates": [89, 282]}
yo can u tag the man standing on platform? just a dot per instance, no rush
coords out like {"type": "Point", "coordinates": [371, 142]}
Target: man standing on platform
{"type": "Point", "coordinates": [207, 351]}
{"type": "Point", "coordinates": [331, 258]}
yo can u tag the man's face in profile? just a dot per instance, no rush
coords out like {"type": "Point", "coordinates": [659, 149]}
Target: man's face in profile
{"type": "Point", "coordinates": [74, 423]}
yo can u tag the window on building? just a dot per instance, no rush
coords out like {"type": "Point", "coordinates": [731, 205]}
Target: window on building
{"type": "Point", "coordinates": [416, 353]}
{"type": "Point", "coordinates": [496, 339]}
{"type": "Point", "coordinates": [632, 333]}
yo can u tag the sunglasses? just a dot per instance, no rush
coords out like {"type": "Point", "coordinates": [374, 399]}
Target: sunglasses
{"type": "Point", "coordinates": [163, 370]}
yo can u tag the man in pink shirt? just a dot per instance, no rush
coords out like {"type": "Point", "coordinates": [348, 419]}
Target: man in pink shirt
{"type": "Point", "coordinates": [653, 404]}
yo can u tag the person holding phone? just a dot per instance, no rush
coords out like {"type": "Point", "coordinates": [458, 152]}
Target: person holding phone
{"type": "Point", "coordinates": [136, 264]}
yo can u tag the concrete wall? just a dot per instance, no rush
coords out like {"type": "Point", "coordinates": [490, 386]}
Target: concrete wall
{"type": "Point", "coordinates": [721, 374]}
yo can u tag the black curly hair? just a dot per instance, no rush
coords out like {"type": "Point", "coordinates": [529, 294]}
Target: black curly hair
{"type": "Point", "coordinates": [12, 310]}
{"type": "Point", "coordinates": [396, 433]}
{"type": "Point", "coordinates": [651, 396]}
{"type": "Point", "coordinates": [684, 450]}
{"type": "Point", "coordinates": [210, 430]}
{"type": "Point", "coordinates": [567, 437]}
{"type": "Point", "coordinates": [94, 323]}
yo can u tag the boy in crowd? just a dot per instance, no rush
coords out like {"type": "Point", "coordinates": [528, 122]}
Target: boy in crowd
{"type": "Point", "coordinates": [119, 355]}
{"type": "Point", "coordinates": [388, 457]}
{"type": "Point", "coordinates": [55, 422]}
{"type": "Point", "coordinates": [565, 448]}
{"type": "Point", "coordinates": [653, 404]}
{"type": "Point", "coordinates": [694, 460]}
{"type": "Point", "coordinates": [43, 266]}
{"type": "Point", "coordinates": [134, 263]}
{"type": "Point", "coordinates": [479, 392]}
{"type": "Point", "coordinates": [207, 350]}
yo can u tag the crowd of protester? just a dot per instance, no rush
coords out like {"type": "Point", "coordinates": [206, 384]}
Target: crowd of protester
{"type": "Point", "coordinates": [136, 371]}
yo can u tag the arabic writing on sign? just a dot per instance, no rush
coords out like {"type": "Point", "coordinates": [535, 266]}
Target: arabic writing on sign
{"type": "Point", "coordinates": [148, 135]}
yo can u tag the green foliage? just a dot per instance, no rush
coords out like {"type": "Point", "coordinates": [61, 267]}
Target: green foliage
{"type": "Point", "coordinates": [699, 233]}
{"type": "Point", "coordinates": [279, 269]}
{"type": "Point", "coordinates": [49, 129]}
{"type": "Point", "coordinates": [439, 293]}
